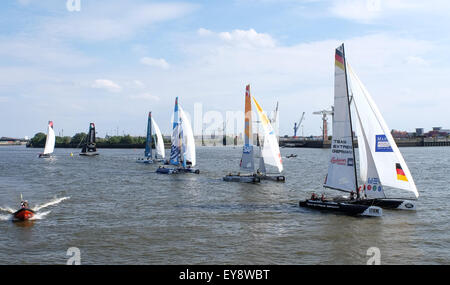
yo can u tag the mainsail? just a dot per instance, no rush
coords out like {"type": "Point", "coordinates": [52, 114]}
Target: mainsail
{"type": "Point", "coordinates": [387, 159]}
{"type": "Point", "coordinates": [270, 150]}
{"type": "Point", "coordinates": [175, 149]}
{"type": "Point", "coordinates": [341, 170]}
{"type": "Point", "coordinates": [188, 139]}
{"type": "Point", "coordinates": [50, 140]}
{"type": "Point", "coordinates": [160, 152]}
{"type": "Point", "coordinates": [247, 163]}
{"type": "Point", "coordinates": [148, 141]}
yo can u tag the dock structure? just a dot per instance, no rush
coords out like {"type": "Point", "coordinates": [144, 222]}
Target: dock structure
{"type": "Point", "coordinates": [410, 142]}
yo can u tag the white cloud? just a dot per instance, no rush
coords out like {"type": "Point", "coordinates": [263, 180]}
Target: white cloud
{"type": "Point", "coordinates": [416, 60]}
{"type": "Point", "coordinates": [241, 38]}
{"type": "Point", "coordinates": [155, 62]}
{"type": "Point", "coordinates": [367, 11]}
{"type": "Point", "coordinates": [107, 85]}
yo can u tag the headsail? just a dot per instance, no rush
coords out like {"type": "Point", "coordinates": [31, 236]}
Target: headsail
{"type": "Point", "coordinates": [188, 139]}
{"type": "Point", "coordinates": [390, 165]}
{"type": "Point", "coordinates": [367, 168]}
{"type": "Point", "coordinates": [148, 141]}
{"type": "Point", "coordinates": [270, 148]}
{"type": "Point", "coordinates": [50, 140]}
{"type": "Point", "coordinates": [175, 148]}
{"type": "Point", "coordinates": [160, 152]}
{"type": "Point", "coordinates": [247, 163]}
{"type": "Point", "coordinates": [341, 170]}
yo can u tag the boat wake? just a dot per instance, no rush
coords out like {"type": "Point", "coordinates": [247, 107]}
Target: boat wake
{"type": "Point", "coordinates": [38, 215]}
{"type": "Point", "coordinates": [48, 204]}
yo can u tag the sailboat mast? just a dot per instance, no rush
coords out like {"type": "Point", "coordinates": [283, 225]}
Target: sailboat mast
{"type": "Point", "coordinates": [351, 125]}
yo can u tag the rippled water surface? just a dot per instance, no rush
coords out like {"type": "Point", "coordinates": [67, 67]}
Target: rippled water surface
{"type": "Point", "coordinates": [117, 211]}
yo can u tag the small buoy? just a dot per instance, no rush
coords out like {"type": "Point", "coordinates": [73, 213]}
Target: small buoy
{"type": "Point", "coordinates": [71, 154]}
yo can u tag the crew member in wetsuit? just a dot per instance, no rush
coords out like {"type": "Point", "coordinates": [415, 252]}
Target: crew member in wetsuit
{"type": "Point", "coordinates": [352, 196]}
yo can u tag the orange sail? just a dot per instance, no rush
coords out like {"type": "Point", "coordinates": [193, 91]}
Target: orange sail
{"type": "Point", "coordinates": [247, 163]}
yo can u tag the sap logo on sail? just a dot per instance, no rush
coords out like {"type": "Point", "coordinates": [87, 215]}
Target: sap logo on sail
{"type": "Point", "coordinates": [382, 144]}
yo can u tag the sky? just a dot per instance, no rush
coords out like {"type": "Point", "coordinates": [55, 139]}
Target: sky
{"type": "Point", "coordinates": [111, 62]}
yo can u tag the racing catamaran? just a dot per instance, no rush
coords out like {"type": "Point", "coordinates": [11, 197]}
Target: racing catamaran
{"type": "Point", "coordinates": [49, 142]}
{"type": "Point", "coordinates": [90, 147]}
{"type": "Point", "coordinates": [247, 163]}
{"type": "Point", "coordinates": [342, 167]}
{"type": "Point", "coordinates": [159, 145]}
{"type": "Point", "coordinates": [182, 152]}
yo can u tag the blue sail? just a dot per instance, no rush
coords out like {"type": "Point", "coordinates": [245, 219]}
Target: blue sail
{"type": "Point", "coordinates": [175, 148]}
{"type": "Point", "coordinates": [148, 141]}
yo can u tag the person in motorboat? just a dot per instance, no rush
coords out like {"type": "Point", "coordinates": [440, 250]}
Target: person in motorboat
{"type": "Point", "coordinates": [314, 197]}
{"type": "Point", "coordinates": [322, 198]}
{"type": "Point", "coordinates": [24, 204]}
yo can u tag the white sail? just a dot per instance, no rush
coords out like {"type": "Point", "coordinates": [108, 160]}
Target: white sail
{"type": "Point", "coordinates": [341, 170]}
{"type": "Point", "coordinates": [50, 141]}
{"type": "Point", "coordinates": [270, 148]}
{"type": "Point", "coordinates": [390, 165]}
{"type": "Point", "coordinates": [160, 151]}
{"type": "Point", "coordinates": [367, 168]}
{"type": "Point", "coordinates": [188, 138]}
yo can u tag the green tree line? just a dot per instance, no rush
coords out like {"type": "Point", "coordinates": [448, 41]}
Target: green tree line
{"type": "Point", "coordinates": [80, 138]}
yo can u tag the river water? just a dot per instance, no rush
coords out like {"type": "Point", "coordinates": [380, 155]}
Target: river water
{"type": "Point", "coordinates": [116, 211]}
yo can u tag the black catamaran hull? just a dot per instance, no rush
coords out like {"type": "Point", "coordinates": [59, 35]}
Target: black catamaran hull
{"type": "Point", "coordinates": [89, 153]}
{"type": "Point", "coordinates": [347, 208]}
{"type": "Point", "coordinates": [145, 161]}
{"type": "Point", "coordinates": [277, 178]}
{"type": "Point", "coordinates": [41, 155]}
{"type": "Point", "coordinates": [163, 170]}
{"type": "Point", "coordinates": [388, 203]}
{"type": "Point", "coordinates": [242, 178]}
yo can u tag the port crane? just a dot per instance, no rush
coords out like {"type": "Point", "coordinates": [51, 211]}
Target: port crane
{"type": "Point", "coordinates": [324, 114]}
{"type": "Point", "coordinates": [297, 125]}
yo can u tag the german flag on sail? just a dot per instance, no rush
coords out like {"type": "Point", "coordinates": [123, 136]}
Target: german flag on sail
{"type": "Point", "coordinates": [339, 59]}
{"type": "Point", "coordinates": [400, 174]}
